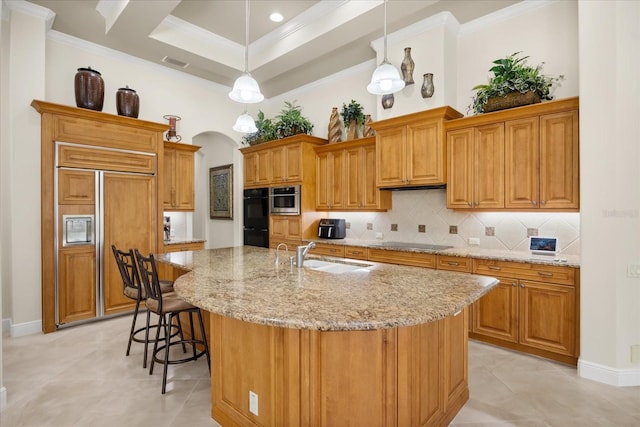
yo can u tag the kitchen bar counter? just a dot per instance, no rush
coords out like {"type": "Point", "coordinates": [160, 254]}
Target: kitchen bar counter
{"type": "Point", "coordinates": [467, 252]}
{"type": "Point", "coordinates": [380, 345]}
{"type": "Point", "coordinates": [245, 284]}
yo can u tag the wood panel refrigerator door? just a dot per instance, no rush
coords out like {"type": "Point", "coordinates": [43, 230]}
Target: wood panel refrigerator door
{"type": "Point", "coordinates": [129, 221]}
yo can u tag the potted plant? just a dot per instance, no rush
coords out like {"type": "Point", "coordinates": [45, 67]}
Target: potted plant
{"type": "Point", "coordinates": [291, 121]}
{"type": "Point", "coordinates": [514, 83]}
{"type": "Point", "coordinates": [352, 117]}
{"type": "Point", "coordinates": [266, 131]}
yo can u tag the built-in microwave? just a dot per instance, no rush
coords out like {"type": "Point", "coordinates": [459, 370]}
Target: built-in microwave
{"type": "Point", "coordinates": [284, 200]}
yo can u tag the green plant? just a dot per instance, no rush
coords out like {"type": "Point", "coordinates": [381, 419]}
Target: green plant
{"type": "Point", "coordinates": [512, 74]}
{"type": "Point", "coordinates": [266, 131]}
{"type": "Point", "coordinates": [353, 111]}
{"type": "Point", "coordinates": [291, 121]}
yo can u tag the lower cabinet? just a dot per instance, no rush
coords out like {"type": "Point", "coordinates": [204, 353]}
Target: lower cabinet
{"type": "Point", "coordinates": [408, 376]}
{"type": "Point", "coordinates": [285, 229]}
{"type": "Point", "coordinates": [328, 249]}
{"type": "Point", "coordinates": [179, 247]}
{"type": "Point", "coordinates": [536, 316]}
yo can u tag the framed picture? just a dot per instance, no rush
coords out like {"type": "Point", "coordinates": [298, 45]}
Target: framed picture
{"type": "Point", "coordinates": [221, 192]}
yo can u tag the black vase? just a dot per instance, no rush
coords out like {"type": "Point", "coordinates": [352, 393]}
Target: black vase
{"type": "Point", "coordinates": [89, 88]}
{"type": "Point", "coordinates": [127, 102]}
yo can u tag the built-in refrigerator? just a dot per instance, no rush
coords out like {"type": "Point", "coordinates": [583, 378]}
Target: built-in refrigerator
{"type": "Point", "coordinates": [95, 209]}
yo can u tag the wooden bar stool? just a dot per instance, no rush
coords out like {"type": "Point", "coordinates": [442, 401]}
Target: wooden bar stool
{"type": "Point", "coordinates": [132, 288]}
{"type": "Point", "coordinates": [168, 307]}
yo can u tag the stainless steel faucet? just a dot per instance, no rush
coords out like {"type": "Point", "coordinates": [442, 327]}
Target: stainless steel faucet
{"type": "Point", "coordinates": [302, 251]}
{"type": "Point", "coordinates": [286, 248]}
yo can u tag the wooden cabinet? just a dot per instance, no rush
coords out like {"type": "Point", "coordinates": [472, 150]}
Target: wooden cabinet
{"type": "Point", "coordinates": [529, 159]}
{"type": "Point", "coordinates": [410, 150]}
{"type": "Point", "coordinates": [416, 259]}
{"type": "Point", "coordinates": [285, 229]}
{"type": "Point", "coordinates": [355, 252]}
{"type": "Point", "coordinates": [328, 249]}
{"type": "Point", "coordinates": [476, 167]}
{"type": "Point", "coordinates": [284, 161]}
{"type": "Point", "coordinates": [77, 283]}
{"type": "Point", "coordinates": [179, 247]}
{"type": "Point", "coordinates": [454, 263]}
{"type": "Point", "coordinates": [346, 177]}
{"type": "Point", "coordinates": [179, 169]}
{"type": "Point", "coordinates": [533, 309]}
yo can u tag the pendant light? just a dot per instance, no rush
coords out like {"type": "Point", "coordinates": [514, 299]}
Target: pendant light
{"type": "Point", "coordinates": [246, 89]}
{"type": "Point", "coordinates": [386, 78]}
{"type": "Point", "coordinates": [245, 124]}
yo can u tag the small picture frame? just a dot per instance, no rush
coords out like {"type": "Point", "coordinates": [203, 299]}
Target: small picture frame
{"type": "Point", "coordinates": [543, 245]}
{"type": "Point", "coordinates": [221, 192]}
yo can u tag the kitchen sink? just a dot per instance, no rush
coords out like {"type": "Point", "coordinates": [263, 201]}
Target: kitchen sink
{"type": "Point", "coordinates": [408, 245]}
{"type": "Point", "coordinates": [335, 267]}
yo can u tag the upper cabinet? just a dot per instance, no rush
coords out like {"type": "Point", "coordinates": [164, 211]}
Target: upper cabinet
{"type": "Point", "coordinates": [179, 169]}
{"type": "Point", "coordinates": [524, 158]}
{"type": "Point", "coordinates": [410, 149]}
{"type": "Point", "coordinates": [346, 177]}
{"type": "Point", "coordinates": [284, 161]}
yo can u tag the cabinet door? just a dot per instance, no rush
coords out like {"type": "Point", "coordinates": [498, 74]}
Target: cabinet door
{"type": "Point", "coordinates": [184, 176]}
{"type": "Point", "coordinates": [285, 229]}
{"type": "Point", "coordinates": [391, 156]}
{"type": "Point", "coordinates": [169, 183]}
{"type": "Point", "coordinates": [329, 180]}
{"type": "Point", "coordinates": [548, 316]}
{"type": "Point", "coordinates": [372, 197]}
{"type": "Point", "coordinates": [425, 154]}
{"type": "Point", "coordinates": [76, 284]}
{"type": "Point", "coordinates": [456, 374]}
{"type": "Point", "coordinates": [488, 167]}
{"type": "Point", "coordinates": [460, 169]}
{"type": "Point", "coordinates": [76, 187]}
{"type": "Point", "coordinates": [522, 157]}
{"type": "Point", "coordinates": [559, 161]}
{"type": "Point", "coordinates": [256, 168]}
{"type": "Point", "coordinates": [496, 313]}
{"type": "Point", "coordinates": [286, 163]}
{"type": "Point", "coordinates": [354, 183]}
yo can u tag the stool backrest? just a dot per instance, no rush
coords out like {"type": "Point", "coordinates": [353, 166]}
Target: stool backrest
{"type": "Point", "coordinates": [126, 262]}
{"type": "Point", "coordinates": [149, 278]}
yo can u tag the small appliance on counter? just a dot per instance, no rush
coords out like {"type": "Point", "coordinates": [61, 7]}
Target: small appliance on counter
{"type": "Point", "coordinates": [332, 228]}
{"type": "Point", "coordinates": [167, 228]}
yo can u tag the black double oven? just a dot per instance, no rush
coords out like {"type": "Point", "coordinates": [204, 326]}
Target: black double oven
{"type": "Point", "coordinates": [256, 217]}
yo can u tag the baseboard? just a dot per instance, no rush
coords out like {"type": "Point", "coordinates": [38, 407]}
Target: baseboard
{"type": "Point", "coordinates": [26, 328]}
{"type": "Point", "coordinates": [6, 325]}
{"type": "Point", "coordinates": [609, 375]}
{"type": "Point", "coordinates": [3, 398]}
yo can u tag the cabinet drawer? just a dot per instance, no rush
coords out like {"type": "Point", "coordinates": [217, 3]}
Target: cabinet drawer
{"type": "Point", "coordinates": [454, 263]}
{"type": "Point", "coordinates": [545, 273]}
{"type": "Point", "coordinates": [179, 247]}
{"type": "Point", "coordinates": [401, 257]}
{"type": "Point", "coordinates": [355, 252]}
{"type": "Point", "coordinates": [328, 250]}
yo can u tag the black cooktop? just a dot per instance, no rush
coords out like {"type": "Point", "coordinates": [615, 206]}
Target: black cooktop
{"type": "Point", "coordinates": [406, 245]}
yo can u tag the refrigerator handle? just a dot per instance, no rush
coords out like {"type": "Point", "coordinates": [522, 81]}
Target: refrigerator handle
{"type": "Point", "coordinates": [99, 242]}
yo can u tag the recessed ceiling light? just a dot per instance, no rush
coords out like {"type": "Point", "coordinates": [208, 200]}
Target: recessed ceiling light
{"type": "Point", "coordinates": [276, 17]}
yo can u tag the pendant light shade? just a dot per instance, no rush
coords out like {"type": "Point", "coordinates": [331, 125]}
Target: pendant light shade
{"type": "Point", "coordinates": [246, 89]}
{"type": "Point", "coordinates": [386, 78]}
{"type": "Point", "coordinates": [245, 124]}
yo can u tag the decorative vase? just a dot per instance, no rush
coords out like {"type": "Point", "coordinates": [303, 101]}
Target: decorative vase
{"type": "Point", "coordinates": [89, 88]}
{"type": "Point", "coordinates": [366, 129]}
{"type": "Point", "coordinates": [387, 101]}
{"type": "Point", "coordinates": [427, 86]}
{"type": "Point", "coordinates": [127, 102]}
{"type": "Point", "coordinates": [352, 130]}
{"type": "Point", "coordinates": [407, 67]}
{"type": "Point", "coordinates": [335, 133]}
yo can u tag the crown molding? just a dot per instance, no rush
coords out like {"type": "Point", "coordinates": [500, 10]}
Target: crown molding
{"type": "Point", "coordinates": [30, 9]}
{"type": "Point", "coordinates": [505, 14]}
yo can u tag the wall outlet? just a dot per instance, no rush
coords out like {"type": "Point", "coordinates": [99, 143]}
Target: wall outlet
{"type": "Point", "coordinates": [635, 353]}
{"type": "Point", "coordinates": [633, 271]}
{"type": "Point", "coordinates": [379, 236]}
{"type": "Point", "coordinates": [253, 403]}
{"type": "Point", "coordinates": [474, 241]}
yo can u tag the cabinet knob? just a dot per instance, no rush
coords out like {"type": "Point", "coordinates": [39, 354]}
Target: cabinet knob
{"type": "Point", "coordinates": [514, 284]}
{"type": "Point", "coordinates": [534, 203]}
{"type": "Point", "coordinates": [522, 285]}
{"type": "Point", "coordinates": [475, 204]}
{"type": "Point", "coordinates": [469, 203]}
{"type": "Point", "coordinates": [542, 202]}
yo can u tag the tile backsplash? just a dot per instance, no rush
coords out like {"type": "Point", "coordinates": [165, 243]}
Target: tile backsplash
{"type": "Point", "coordinates": [496, 230]}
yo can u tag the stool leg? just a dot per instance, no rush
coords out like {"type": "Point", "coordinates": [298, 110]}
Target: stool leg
{"type": "Point", "coordinates": [166, 351]}
{"type": "Point", "coordinates": [133, 326]}
{"type": "Point", "coordinates": [155, 344]}
{"type": "Point", "coordinates": [193, 334]}
{"type": "Point", "coordinates": [146, 339]}
{"type": "Point", "coordinates": [204, 339]}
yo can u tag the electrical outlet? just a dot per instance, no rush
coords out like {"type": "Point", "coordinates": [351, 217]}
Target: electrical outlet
{"type": "Point", "coordinates": [635, 353]}
{"type": "Point", "coordinates": [633, 271]}
{"type": "Point", "coordinates": [474, 241]}
{"type": "Point", "coordinates": [379, 236]}
{"type": "Point", "coordinates": [253, 403]}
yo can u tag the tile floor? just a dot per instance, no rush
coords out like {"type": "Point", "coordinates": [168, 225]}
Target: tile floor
{"type": "Point", "coordinates": [80, 377]}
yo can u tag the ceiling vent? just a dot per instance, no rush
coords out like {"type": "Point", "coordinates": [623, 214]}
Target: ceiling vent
{"type": "Point", "coordinates": [175, 62]}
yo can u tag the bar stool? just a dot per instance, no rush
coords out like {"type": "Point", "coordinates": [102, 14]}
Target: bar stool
{"type": "Point", "coordinates": [132, 288]}
{"type": "Point", "coordinates": [168, 307]}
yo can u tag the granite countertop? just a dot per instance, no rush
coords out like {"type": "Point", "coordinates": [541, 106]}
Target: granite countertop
{"type": "Point", "coordinates": [182, 241]}
{"type": "Point", "coordinates": [468, 252]}
{"type": "Point", "coordinates": [244, 283]}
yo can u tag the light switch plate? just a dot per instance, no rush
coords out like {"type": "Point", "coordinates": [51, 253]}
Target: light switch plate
{"type": "Point", "coordinates": [474, 241]}
{"type": "Point", "coordinates": [253, 403]}
{"type": "Point", "coordinates": [633, 271]}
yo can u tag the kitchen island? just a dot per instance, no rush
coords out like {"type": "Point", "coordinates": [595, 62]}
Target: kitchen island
{"type": "Point", "coordinates": [368, 344]}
